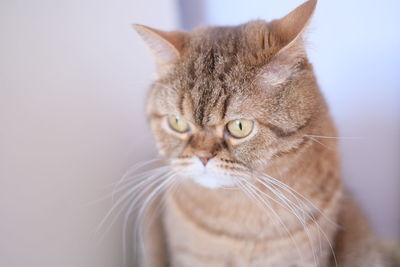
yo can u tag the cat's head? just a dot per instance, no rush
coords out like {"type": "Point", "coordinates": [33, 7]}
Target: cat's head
{"type": "Point", "coordinates": [228, 100]}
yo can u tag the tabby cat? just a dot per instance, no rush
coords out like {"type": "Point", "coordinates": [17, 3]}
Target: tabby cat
{"type": "Point", "coordinates": [238, 115]}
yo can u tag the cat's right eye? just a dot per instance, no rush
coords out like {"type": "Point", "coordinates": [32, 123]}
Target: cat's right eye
{"type": "Point", "coordinates": [178, 124]}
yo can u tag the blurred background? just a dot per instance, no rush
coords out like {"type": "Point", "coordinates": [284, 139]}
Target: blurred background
{"type": "Point", "coordinates": [73, 79]}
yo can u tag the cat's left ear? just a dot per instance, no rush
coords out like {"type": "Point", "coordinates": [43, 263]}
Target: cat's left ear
{"type": "Point", "coordinates": [166, 46]}
{"type": "Point", "coordinates": [285, 31]}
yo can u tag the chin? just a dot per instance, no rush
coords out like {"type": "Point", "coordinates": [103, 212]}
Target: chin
{"type": "Point", "coordinates": [214, 182]}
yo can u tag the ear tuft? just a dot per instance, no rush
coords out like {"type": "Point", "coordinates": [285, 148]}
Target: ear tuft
{"type": "Point", "coordinates": [166, 46]}
{"type": "Point", "coordinates": [285, 31]}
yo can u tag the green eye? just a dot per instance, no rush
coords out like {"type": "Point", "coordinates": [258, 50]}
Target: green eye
{"type": "Point", "coordinates": [178, 124]}
{"type": "Point", "coordinates": [240, 128]}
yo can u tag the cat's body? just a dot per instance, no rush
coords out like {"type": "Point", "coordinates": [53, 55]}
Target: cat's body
{"type": "Point", "coordinates": [284, 205]}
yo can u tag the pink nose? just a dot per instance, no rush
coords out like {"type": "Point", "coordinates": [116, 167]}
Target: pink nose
{"type": "Point", "coordinates": [204, 160]}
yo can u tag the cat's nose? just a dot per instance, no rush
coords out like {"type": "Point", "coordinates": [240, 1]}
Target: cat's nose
{"type": "Point", "coordinates": [204, 160]}
{"type": "Point", "coordinates": [204, 157]}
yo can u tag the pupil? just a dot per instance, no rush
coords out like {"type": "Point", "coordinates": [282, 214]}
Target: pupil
{"type": "Point", "coordinates": [240, 125]}
{"type": "Point", "coordinates": [176, 119]}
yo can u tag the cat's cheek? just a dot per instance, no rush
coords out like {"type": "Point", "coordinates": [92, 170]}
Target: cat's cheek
{"type": "Point", "coordinates": [254, 150]}
{"type": "Point", "coordinates": [168, 145]}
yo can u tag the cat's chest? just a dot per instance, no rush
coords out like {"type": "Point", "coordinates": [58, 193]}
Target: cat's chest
{"type": "Point", "coordinates": [192, 243]}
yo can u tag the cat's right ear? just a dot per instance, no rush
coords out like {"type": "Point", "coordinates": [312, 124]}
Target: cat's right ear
{"type": "Point", "coordinates": [166, 46]}
{"type": "Point", "coordinates": [285, 31]}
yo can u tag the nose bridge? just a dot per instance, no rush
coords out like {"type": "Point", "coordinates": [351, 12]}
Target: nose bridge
{"type": "Point", "coordinates": [204, 143]}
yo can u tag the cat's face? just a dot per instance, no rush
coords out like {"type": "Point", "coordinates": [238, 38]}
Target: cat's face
{"type": "Point", "coordinates": [230, 101]}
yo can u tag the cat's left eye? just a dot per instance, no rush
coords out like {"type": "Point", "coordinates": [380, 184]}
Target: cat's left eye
{"type": "Point", "coordinates": [240, 128]}
{"type": "Point", "coordinates": [178, 124]}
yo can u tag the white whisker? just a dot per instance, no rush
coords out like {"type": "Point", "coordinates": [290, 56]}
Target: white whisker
{"type": "Point", "coordinates": [134, 168]}
{"type": "Point", "coordinates": [332, 137]}
{"type": "Point", "coordinates": [319, 142]}
{"type": "Point", "coordinates": [294, 210]}
{"type": "Point", "coordinates": [144, 183]}
{"type": "Point", "coordinates": [252, 189]}
{"type": "Point", "coordinates": [143, 208]}
{"type": "Point", "coordinates": [295, 195]}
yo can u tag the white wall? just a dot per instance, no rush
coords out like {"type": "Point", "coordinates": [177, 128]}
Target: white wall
{"type": "Point", "coordinates": [354, 46]}
{"type": "Point", "coordinates": [73, 76]}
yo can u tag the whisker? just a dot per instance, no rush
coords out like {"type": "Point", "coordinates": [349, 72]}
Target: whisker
{"type": "Point", "coordinates": [125, 197]}
{"type": "Point", "coordinates": [250, 188]}
{"type": "Point", "coordinates": [332, 137]}
{"type": "Point", "coordinates": [294, 211]}
{"type": "Point", "coordinates": [141, 213]}
{"type": "Point", "coordinates": [293, 193]}
{"type": "Point", "coordinates": [296, 194]}
{"type": "Point", "coordinates": [319, 142]}
{"type": "Point", "coordinates": [140, 176]}
{"type": "Point", "coordinates": [323, 232]}
{"type": "Point", "coordinates": [134, 168]}
{"type": "Point", "coordinates": [128, 179]}
{"type": "Point", "coordinates": [143, 183]}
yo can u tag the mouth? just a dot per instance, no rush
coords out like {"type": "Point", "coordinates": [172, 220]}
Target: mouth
{"type": "Point", "coordinates": [210, 176]}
